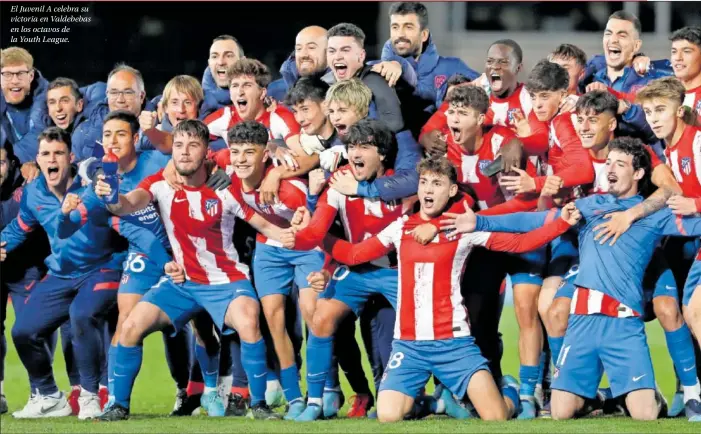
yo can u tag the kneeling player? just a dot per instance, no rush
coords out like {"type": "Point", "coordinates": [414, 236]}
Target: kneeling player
{"type": "Point", "coordinates": [432, 333]}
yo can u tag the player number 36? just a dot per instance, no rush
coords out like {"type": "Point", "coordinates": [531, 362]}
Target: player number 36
{"type": "Point", "coordinates": [135, 263]}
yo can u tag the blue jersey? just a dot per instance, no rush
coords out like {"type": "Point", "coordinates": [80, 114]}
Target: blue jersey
{"type": "Point", "coordinates": [143, 229]}
{"type": "Point", "coordinates": [617, 270]}
{"type": "Point", "coordinates": [89, 248]}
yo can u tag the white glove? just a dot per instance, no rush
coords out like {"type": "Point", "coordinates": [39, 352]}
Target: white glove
{"type": "Point", "coordinates": [311, 144]}
{"type": "Point", "coordinates": [330, 158]}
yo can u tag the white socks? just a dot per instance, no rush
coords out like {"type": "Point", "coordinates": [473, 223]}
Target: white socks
{"type": "Point", "coordinates": [692, 392]}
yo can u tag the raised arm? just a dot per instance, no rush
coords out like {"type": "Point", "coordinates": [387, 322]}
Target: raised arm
{"type": "Point", "coordinates": [319, 226]}
{"type": "Point", "coordinates": [517, 222]}
{"type": "Point", "coordinates": [133, 201]}
{"type": "Point", "coordinates": [355, 254]}
{"type": "Point", "coordinates": [519, 243]}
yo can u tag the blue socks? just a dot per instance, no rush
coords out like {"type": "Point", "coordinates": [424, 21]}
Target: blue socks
{"type": "Point", "coordinates": [555, 347]}
{"type": "Point", "coordinates": [529, 378]}
{"type": "Point", "coordinates": [290, 383]}
{"type": "Point", "coordinates": [209, 365]}
{"type": "Point", "coordinates": [111, 360]}
{"type": "Point", "coordinates": [126, 368]}
{"type": "Point", "coordinates": [254, 363]}
{"type": "Point", "coordinates": [319, 353]}
{"type": "Point", "coordinates": [681, 349]}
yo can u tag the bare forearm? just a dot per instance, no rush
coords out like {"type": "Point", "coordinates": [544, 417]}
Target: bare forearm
{"type": "Point", "coordinates": [161, 140]}
{"type": "Point", "coordinates": [655, 202]}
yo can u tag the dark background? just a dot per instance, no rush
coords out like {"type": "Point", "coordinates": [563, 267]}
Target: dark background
{"type": "Point", "coordinates": [164, 39]}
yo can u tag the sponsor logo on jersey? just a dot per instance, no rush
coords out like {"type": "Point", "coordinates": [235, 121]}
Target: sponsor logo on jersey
{"type": "Point", "coordinates": [146, 216]}
{"type": "Point", "coordinates": [686, 165]}
{"type": "Point", "coordinates": [211, 206]}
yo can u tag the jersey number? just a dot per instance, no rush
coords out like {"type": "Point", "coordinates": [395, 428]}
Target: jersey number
{"type": "Point", "coordinates": [135, 263]}
{"type": "Point", "coordinates": [395, 361]}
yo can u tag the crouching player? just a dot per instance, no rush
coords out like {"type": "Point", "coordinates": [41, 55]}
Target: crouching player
{"type": "Point", "coordinates": [605, 331]}
{"type": "Point", "coordinates": [200, 226]}
{"type": "Point", "coordinates": [432, 331]}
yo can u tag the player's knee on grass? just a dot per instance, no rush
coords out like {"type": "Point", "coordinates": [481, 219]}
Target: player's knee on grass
{"type": "Point", "coordinates": [393, 406]}
{"type": "Point", "coordinates": [642, 404]}
{"type": "Point", "coordinates": [564, 405]}
{"type": "Point", "coordinates": [242, 315]}
{"type": "Point", "coordinates": [667, 311]}
{"type": "Point", "coordinates": [558, 315]}
{"type": "Point", "coordinates": [484, 395]}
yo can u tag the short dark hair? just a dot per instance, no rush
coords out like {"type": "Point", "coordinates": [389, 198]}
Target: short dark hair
{"type": "Point", "coordinates": [407, 8]}
{"type": "Point", "coordinates": [570, 51]}
{"type": "Point", "coordinates": [229, 38]}
{"type": "Point", "coordinates": [56, 134]}
{"type": "Point", "coordinates": [347, 29]}
{"type": "Point", "coordinates": [518, 52]}
{"type": "Point", "coordinates": [248, 132]}
{"type": "Point", "coordinates": [439, 166]}
{"type": "Point", "coordinates": [689, 33]}
{"type": "Point", "coordinates": [473, 97]}
{"type": "Point", "coordinates": [252, 67]}
{"type": "Point", "coordinates": [307, 88]}
{"type": "Point", "coordinates": [641, 160]}
{"type": "Point", "coordinates": [547, 76]}
{"type": "Point", "coordinates": [457, 79]}
{"type": "Point", "coordinates": [123, 115]}
{"type": "Point", "coordinates": [597, 101]}
{"type": "Point", "coordinates": [370, 132]}
{"type": "Point", "coordinates": [66, 82]}
{"type": "Point", "coordinates": [193, 128]}
{"type": "Point", "coordinates": [627, 16]}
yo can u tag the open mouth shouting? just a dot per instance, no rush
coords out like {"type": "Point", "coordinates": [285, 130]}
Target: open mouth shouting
{"type": "Point", "coordinates": [52, 173]}
{"type": "Point", "coordinates": [62, 120]}
{"type": "Point", "coordinates": [220, 73]}
{"type": "Point", "coordinates": [341, 70]}
{"type": "Point", "coordinates": [427, 203]}
{"type": "Point", "coordinates": [358, 166]}
{"type": "Point", "coordinates": [614, 53]}
{"type": "Point", "coordinates": [457, 133]}
{"type": "Point", "coordinates": [341, 129]}
{"type": "Point", "coordinates": [495, 81]}
{"type": "Point", "coordinates": [242, 106]}
{"type": "Point", "coordinates": [612, 179]}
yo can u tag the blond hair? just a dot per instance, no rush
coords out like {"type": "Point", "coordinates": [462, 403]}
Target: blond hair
{"type": "Point", "coordinates": [14, 56]}
{"type": "Point", "coordinates": [664, 88]}
{"type": "Point", "coordinates": [186, 84]}
{"type": "Point", "coordinates": [353, 93]}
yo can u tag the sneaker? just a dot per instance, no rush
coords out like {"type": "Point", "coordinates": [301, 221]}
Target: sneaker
{"type": "Point", "coordinates": [114, 413]}
{"type": "Point", "coordinates": [662, 404]}
{"type": "Point", "coordinates": [274, 397]}
{"type": "Point", "coordinates": [332, 401]}
{"type": "Point", "coordinates": [452, 407]}
{"type": "Point", "coordinates": [692, 410]}
{"type": "Point", "coordinates": [40, 406]}
{"type": "Point", "coordinates": [261, 411]}
{"type": "Point", "coordinates": [545, 412]}
{"type": "Point", "coordinates": [3, 404]}
{"type": "Point", "coordinates": [185, 405]}
{"type": "Point", "coordinates": [677, 408]}
{"type": "Point", "coordinates": [360, 404]}
{"type": "Point", "coordinates": [372, 414]}
{"type": "Point", "coordinates": [296, 408]}
{"type": "Point", "coordinates": [73, 400]}
{"type": "Point", "coordinates": [311, 413]}
{"type": "Point", "coordinates": [236, 406]}
{"type": "Point", "coordinates": [528, 410]}
{"type": "Point", "coordinates": [212, 403]}
{"type": "Point", "coordinates": [89, 405]}
{"type": "Point", "coordinates": [104, 396]}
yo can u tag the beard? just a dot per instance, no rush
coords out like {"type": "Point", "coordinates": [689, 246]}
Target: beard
{"type": "Point", "coordinates": [188, 172]}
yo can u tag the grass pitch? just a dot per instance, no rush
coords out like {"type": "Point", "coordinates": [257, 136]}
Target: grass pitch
{"type": "Point", "coordinates": [154, 395]}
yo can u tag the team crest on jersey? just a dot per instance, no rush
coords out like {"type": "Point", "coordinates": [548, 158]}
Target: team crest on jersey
{"type": "Point", "coordinates": [439, 80]}
{"type": "Point", "coordinates": [698, 107]}
{"type": "Point", "coordinates": [482, 164]}
{"type": "Point", "coordinates": [211, 206]}
{"type": "Point", "coordinates": [686, 165]}
{"type": "Point", "coordinates": [511, 115]}
{"type": "Point", "coordinates": [17, 195]}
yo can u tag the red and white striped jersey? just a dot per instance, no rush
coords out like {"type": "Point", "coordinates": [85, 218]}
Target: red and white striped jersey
{"type": "Point", "coordinates": [685, 160]}
{"type": "Point", "coordinates": [200, 225]}
{"type": "Point", "coordinates": [601, 182]}
{"type": "Point", "coordinates": [470, 166]}
{"type": "Point", "coordinates": [587, 301]}
{"type": "Point", "coordinates": [501, 110]}
{"type": "Point", "coordinates": [693, 99]}
{"type": "Point", "coordinates": [281, 123]}
{"type": "Point", "coordinates": [292, 195]}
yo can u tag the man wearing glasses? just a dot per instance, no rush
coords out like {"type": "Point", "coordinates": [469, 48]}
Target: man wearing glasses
{"type": "Point", "coordinates": [22, 103]}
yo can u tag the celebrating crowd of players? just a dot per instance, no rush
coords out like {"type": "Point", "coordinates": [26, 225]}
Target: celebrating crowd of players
{"type": "Point", "coordinates": [399, 192]}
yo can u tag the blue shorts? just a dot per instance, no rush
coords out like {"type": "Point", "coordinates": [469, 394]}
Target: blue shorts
{"type": "Point", "coordinates": [275, 269]}
{"type": "Point", "coordinates": [452, 361]}
{"type": "Point", "coordinates": [526, 268]}
{"type": "Point", "coordinates": [567, 287]}
{"type": "Point", "coordinates": [181, 302]}
{"type": "Point", "coordinates": [595, 344]}
{"type": "Point", "coordinates": [563, 254]}
{"type": "Point", "coordinates": [692, 281]}
{"type": "Point", "coordinates": [355, 287]}
{"type": "Point", "coordinates": [658, 281]}
{"type": "Point", "coordinates": [139, 275]}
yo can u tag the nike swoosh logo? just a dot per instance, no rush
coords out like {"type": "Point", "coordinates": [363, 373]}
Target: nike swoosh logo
{"type": "Point", "coordinates": [670, 287]}
{"type": "Point", "coordinates": [533, 274]}
{"type": "Point", "coordinates": [179, 200]}
{"type": "Point", "coordinates": [316, 375]}
{"type": "Point", "coordinates": [636, 379]}
{"type": "Point", "coordinates": [689, 369]}
{"type": "Point", "coordinates": [45, 410]}
{"type": "Point", "coordinates": [111, 380]}
{"type": "Point", "coordinates": [352, 198]}
{"type": "Point", "coordinates": [240, 290]}
{"type": "Point", "coordinates": [117, 375]}
{"type": "Point", "coordinates": [261, 375]}
{"type": "Point", "coordinates": [211, 373]}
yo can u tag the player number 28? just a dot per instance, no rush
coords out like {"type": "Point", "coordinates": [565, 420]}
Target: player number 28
{"type": "Point", "coordinates": [135, 263]}
{"type": "Point", "coordinates": [395, 361]}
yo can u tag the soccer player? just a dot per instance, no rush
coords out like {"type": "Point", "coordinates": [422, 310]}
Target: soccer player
{"type": "Point", "coordinates": [81, 283]}
{"type": "Point", "coordinates": [686, 62]}
{"type": "Point", "coordinates": [275, 269]}
{"type": "Point", "coordinates": [308, 59]}
{"type": "Point", "coordinates": [200, 224]}
{"type": "Point", "coordinates": [432, 333]}
{"type": "Point", "coordinates": [23, 97]}
{"type": "Point", "coordinates": [574, 60]}
{"type": "Point", "coordinates": [607, 307]}
{"type": "Point", "coordinates": [224, 52]}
